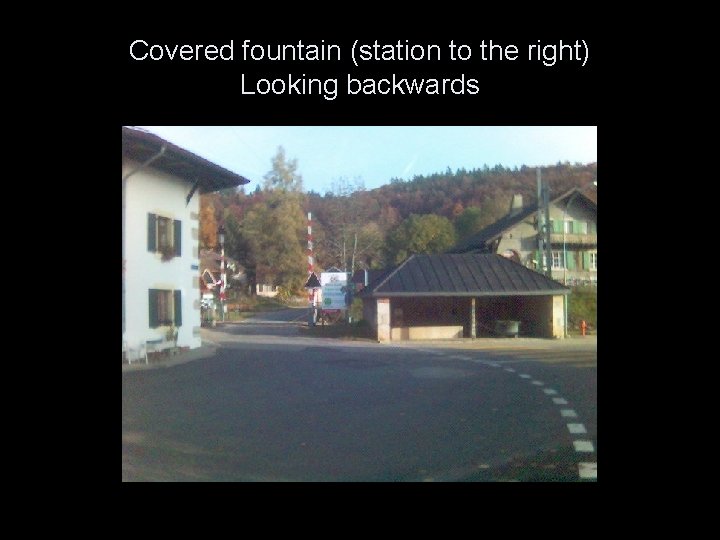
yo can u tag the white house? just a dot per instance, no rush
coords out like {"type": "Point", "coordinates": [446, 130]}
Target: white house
{"type": "Point", "coordinates": [161, 183]}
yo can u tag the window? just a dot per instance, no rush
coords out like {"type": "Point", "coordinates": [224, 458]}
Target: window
{"type": "Point", "coordinates": [557, 259]}
{"type": "Point", "coordinates": [165, 307]}
{"type": "Point", "coordinates": [593, 261]}
{"type": "Point", "coordinates": [568, 227]}
{"type": "Point", "coordinates": [164, 235]}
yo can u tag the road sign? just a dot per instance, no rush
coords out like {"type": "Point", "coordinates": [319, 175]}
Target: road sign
{"type": "Point", "coordinates": [334, 289]}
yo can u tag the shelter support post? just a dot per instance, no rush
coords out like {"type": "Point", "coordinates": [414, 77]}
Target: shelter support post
{"type": "Point", "coordinates": [473, 322]}
{"type": "Point", "coordinates": [383, 319]}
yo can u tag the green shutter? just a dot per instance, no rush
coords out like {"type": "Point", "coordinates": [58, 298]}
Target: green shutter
{"type": "Point", "coordinates": [586, 260]}
{"type": "Point", "coordinates": [177, 237]}
{"type": "Point", "coordinates": [557, 226]}
{"type": "Point", "coordinates": [177, 303]}
{"type": "Point", "coordinates": [571, 260]}
{"type": "Point", "coordinates": [152, 234]}
{"type": "Point", "coordinates": [153, 303]}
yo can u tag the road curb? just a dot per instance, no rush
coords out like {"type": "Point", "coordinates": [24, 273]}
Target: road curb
{"type": "Point", "coordinates": [204, 351]}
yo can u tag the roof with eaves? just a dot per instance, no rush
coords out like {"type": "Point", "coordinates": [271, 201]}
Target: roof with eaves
{"type": "Point", "coordinates": [466, 274]}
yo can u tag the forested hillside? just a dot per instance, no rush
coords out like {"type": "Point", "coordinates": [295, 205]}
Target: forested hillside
{"type": "Point", "coordinates": [355, 228]}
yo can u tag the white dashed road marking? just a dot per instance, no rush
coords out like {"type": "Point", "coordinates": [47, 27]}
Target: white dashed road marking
{"type": "Point", "coordinates": [584, 446]}
{"type": "Point", "coordinates": [588, 470]}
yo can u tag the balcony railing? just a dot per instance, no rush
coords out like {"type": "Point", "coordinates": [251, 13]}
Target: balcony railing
{"type": "Point", "coordinates": [574, 239]}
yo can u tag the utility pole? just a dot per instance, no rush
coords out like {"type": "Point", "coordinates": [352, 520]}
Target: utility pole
{"type": "Point", "coordinates": [350, 285]}
{"type": "Point", "coordinates": [543, 221]}
{"type": "Point", "coordinates": [540, 223]}
{"type": "Point", "coordinates": [548, 245]}
{"type": "Point", "coordinates": [352, 266]}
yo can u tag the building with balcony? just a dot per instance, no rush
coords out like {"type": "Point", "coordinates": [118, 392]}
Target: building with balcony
{"type": "Point", "coordinates": [573, 237]}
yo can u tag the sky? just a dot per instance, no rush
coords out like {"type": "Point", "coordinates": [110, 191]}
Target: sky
{"type": "Point", "coordinates": [375, 154]}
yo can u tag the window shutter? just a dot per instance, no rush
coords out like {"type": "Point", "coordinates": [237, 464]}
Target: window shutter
{"type": "Point", "coordinates": [153, 303]}
{"type": "Point", "coordinates": [177, 302]}
{"type": "Point", "coordinates": [571, 260]}
{"type": "Point", "coordinates": [177, 237]}
{"type": "Point", "coordinates": [557, 226]}
{"type": "Point", "coordinates": [586, 260]}
{"type": "Point", "coordinates": [152, 237]}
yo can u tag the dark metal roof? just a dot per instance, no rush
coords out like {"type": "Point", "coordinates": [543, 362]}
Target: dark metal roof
{"type": "Point", "coordinates": [373, 275]}
{"type": "Point", "coordinates": [467, 274]}
{"type": "Point", "coordinates": [143, 145]}
{"type": "Point", "coordinates": [481, 240]}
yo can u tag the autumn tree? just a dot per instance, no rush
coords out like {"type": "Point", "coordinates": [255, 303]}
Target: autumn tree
{"type": "Point", "coordinates": [272, 236]}
{"type": "Point", "coordinates": [275, 231]}
{"type": "Point", "coordinates": [427, 233]}
{"type": "Point", "coordinates": [208, 223]}
{"type": "Point", "coordinates": [284, 174]}
{"type": "Point", "coordinates": [351, 238]}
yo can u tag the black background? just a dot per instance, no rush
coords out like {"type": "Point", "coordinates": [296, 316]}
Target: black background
{"type": "Point", "coordinates": [520, 92]}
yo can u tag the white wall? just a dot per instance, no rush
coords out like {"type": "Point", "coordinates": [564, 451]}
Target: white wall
{"type": "Point", "coordinates": [152, 191]}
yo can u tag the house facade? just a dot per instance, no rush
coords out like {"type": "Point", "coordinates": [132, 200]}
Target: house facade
{"type": "Point", "coordinates": [161, 287]}
{"type": "Point", "coordinates": [573, 237]}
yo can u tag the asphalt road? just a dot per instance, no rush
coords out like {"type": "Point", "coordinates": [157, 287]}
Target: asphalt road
{"type": "Point", "coordinates": [273, 405]}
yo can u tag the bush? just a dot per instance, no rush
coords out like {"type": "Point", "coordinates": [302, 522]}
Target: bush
{"type": "Point", "coordinates": [582, 306]}
{"type": "Point", "coordinates": [356, 309]}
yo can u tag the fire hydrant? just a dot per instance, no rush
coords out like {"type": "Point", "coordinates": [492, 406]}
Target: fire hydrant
{"type": "Point", "coordinates": [583, 327]}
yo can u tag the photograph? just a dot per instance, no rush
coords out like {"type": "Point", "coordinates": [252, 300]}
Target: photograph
{"type": "Point", "coordinates": [357, 302]}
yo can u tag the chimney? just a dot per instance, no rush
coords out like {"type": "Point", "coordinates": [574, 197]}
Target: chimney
{"type": "Point", "coordinates": [516, 205]}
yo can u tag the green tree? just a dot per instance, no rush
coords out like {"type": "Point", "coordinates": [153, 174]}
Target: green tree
{"type": "Point", "coordinates": [427, 233]}
{"type": "Point", "coordinates": [469, 222]}
{"type": "Point", "coordinates": [239, 247]}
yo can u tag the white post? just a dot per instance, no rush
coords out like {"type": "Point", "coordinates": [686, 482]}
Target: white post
{"type": "Point", "coordinates": [223, 278]}
{"type": "Point", "coordinates": [311, 293]}
{"type": "Point", "coordinates": [564, 249]}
